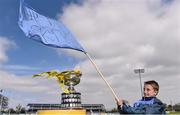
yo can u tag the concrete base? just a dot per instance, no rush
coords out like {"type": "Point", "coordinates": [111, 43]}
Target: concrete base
{"type": "Point", "coordinates": [62, 112]}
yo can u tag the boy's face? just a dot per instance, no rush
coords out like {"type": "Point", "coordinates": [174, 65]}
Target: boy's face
{"type": "Point", "coordinates": [149, 91]}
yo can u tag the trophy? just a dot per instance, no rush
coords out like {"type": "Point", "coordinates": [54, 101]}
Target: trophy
{"type": "Point", "coordinates": [70, 99]}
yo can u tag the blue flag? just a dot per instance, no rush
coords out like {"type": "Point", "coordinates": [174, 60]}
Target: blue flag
{"type": "Point", "coordinates": [45, 30]}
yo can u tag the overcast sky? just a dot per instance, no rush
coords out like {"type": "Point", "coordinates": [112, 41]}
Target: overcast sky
{"type": "Point", "coordinates": [120, 35]}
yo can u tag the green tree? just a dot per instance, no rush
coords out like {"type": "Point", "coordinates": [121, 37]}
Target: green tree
{"type": "Point", "coordinates": [176, 107]}
{"type": "Point", "coordinates": [18, 108]}
{"type": "Point", "coordinates": [169, 107]}
{"type": "Point", "coordinates": [11, 111]}
{"type": "Point", "coordinates": [3, 102]}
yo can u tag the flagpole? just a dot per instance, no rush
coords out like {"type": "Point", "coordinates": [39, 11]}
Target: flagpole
{"type": "Point", "coordinates": [97, 69]}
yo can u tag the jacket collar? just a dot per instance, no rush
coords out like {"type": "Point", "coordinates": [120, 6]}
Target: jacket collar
{"type": "Point", "coordinates": [147, 98]}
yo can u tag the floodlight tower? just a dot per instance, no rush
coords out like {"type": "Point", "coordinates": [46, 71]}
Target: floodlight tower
{"type": "Point", "coordinates": [139, 71]}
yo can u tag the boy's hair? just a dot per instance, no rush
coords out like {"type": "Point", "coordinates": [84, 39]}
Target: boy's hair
{"type": "Point", "coordinates": [154, 84]}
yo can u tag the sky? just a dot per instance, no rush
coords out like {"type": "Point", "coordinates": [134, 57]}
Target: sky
{"type": "Point", "coordinates": [120, 36]}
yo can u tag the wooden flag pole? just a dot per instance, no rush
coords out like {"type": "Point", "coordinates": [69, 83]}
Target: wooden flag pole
{"type": "Point", "coordinates": [97, 69]}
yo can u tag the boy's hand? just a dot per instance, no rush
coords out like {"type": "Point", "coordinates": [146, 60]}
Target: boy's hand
{"type": "Point", "coordinates": [119, 102]}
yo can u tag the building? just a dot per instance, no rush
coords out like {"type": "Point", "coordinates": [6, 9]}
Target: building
{"type": "Point", "coordinates": [90, 108]}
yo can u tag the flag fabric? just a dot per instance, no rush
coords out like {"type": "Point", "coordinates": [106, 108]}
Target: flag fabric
{"type": "Point", "coordinates": [45, 30]}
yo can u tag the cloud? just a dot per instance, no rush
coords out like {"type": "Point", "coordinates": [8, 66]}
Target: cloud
{"type": "Point", "coordinates": [5, 44]}
{"type": "Point", "coordinates": [122, 35]}
{"type": "Point", "coordinates": [19, 67]}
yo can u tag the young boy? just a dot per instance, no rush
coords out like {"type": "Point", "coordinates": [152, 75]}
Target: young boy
{"type": "Point", "coordinates": [149, 104]}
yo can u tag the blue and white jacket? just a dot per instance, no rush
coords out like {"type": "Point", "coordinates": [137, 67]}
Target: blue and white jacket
{"type": "Point", "coordinates": [147, 105]}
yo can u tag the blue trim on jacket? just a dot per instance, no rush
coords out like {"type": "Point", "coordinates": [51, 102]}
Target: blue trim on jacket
{"type": "Point", "coordinates": [147, 105]}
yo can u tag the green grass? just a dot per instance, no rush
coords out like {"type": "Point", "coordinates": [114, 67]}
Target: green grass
{"type": "Point", "coordinates": [174, 113]}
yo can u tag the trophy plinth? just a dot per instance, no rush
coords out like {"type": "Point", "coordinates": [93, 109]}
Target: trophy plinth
{"type": "Point", "coordinates": [71, 100]}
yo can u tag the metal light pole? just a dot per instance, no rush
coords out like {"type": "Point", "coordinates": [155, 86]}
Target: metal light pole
{"type": "Point", "coordinates": [139, 71]}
